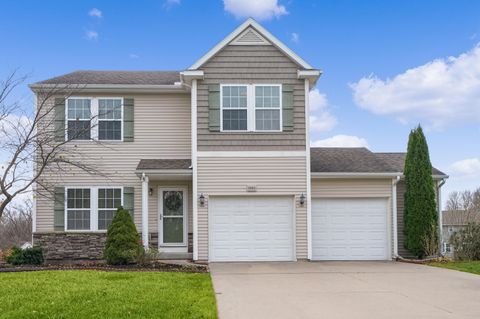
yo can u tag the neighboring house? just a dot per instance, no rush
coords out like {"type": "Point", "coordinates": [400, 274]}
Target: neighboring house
{"type": "Point", "coordinates": [453, 221]}
{"type": "Point", "coordinates": [214, 163]}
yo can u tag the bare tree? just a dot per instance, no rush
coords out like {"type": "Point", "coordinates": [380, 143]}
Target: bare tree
{"type": "Point", "coordinates": [465, 206]}
{"type": "Point", "coordinates": [29, 141]}
{"type": "Point", "coordinates": [16, 225]}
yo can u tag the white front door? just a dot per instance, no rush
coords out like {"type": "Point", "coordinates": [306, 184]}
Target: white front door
{"type": "Point", "coordinates": [350, 229]}
{"type": "Point", "coordinates": [251, 228]}
{"type": "Point", "coordinates": [172, 217]}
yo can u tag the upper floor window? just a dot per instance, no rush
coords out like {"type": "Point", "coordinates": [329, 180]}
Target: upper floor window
{"type": "Point", "coordinates": [251, 108]}
{"type": "Point", "coordinates": [79, 118]}
{"type": "Point", "coordinates": [234, 108]}
{"type": "Point", "coordinates": [267, 108]}
{"type": "Point", "coordinates": [95, 118]}
{"type": "Point", "coordinates": [110, 119]}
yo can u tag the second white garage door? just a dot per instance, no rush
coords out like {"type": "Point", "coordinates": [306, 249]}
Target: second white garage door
{"type": "Point", "coordinates": [250, 228]}
{"type": "Point", "coordinates": [349, 229]}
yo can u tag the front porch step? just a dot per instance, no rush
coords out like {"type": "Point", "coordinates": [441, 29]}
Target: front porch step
{"type": "Point", "coordinates": [175, 255]}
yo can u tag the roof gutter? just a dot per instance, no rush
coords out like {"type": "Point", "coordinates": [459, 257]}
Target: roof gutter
{"type": "Point", "coordinates": [311, 75]}
{"type": "Point", "coordinates": [356, 175]}
{"type": "Point", "coordinates": [108, 88]}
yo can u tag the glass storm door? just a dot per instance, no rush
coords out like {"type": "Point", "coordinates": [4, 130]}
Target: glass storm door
{"type": "Point", "coordinates": [172, 217]}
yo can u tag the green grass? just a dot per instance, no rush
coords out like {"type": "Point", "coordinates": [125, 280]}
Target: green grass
{"type": "Point", "coordinates": [97, 294]}
{"type": "Point", "coordinates": [466, 266]}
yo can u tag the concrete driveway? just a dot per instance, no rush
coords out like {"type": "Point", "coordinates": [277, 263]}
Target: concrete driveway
{"type": "Point", "coordinates": [344, 290]}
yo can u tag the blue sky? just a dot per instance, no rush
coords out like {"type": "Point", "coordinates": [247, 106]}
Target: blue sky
{"type": "Point", "coordinates": [387, 64]}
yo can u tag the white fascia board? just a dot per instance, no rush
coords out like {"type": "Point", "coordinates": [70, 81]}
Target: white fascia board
{"type": "Point", "coordinates": [355, 175]}
{"type": "Point", "coordinates": [169, 172]}
{"type": "Point", "coordinates": [263, 32]}
{"type": "Point", "coordinates": [251, 154]}
{"type": "Point", "coordinates": [311, 75]}
{"type": "Point", "coordinates": [142, 88]}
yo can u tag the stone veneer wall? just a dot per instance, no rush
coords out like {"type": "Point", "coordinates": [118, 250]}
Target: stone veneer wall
{"type": "Point", "coordinates": [71, 246]}
{"type": "Point", "coordinates": [81, 246]}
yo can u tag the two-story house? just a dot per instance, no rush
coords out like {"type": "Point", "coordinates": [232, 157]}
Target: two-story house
{"type": "Point", "coordinates": [214, 162]}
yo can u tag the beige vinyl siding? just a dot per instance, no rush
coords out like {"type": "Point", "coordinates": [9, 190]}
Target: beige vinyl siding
{"type": "Point", "coordinates": [252, 64]}
{"type": "Point", "coordinates": [271, 176]}
{"type": "Point", "coordinates": [161, 130]}
{"type": "Point", "coordinates": [351, 187]}
{"type": "Point", "coordinates": [402, 251]}
{"type": "Point", "coordinates": [356, 188]}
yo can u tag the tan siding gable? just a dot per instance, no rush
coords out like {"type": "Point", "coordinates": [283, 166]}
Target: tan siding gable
{"type": "Point", "coordinates": [251, 64]}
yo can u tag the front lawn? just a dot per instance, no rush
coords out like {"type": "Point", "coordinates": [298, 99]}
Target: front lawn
{"type": "Point", "coordinates": [98, 294]}
{"type": "Point", "coordinates": [466, 266]}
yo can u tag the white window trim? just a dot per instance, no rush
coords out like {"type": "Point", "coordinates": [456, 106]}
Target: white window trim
{"type": "Point", "coordinates": [93, 208]}
{"type": "Point", "coordinates": [251, 120]}
{"type": "Point", "coordinates": [94, 117]}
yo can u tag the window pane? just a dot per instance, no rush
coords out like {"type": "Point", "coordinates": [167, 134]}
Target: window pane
{"type": "Point", "coordinates": [109, 109]}
{"type": "Point", "coordinates": [267, 96]}
{"type": "Point", "coordinates": [105, 218]}
{"type": "Point", "coordinates": [109, 130]}
{"type": "Point", "coordinates": [79, 130]}
{"type": "Point", "coordinates": [78, 219]}
{"type": "Point", "coordinates": [172, 230]}
{"type": "Point", "coordinates": [234, 96]}
{"type": "Point", "coordinates": [267, 120]}
{"type": "Point", "coordinates": [78, 109]}
{"type": "Point", "coordinates": [234, 120]}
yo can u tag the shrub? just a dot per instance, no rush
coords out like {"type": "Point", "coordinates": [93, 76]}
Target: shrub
{"type": "Point", "coordinates": [122, 246]}
{"type": "Point", "coordinates": [466, 242]}
{"type": "Point", "coordinates": [28, 256]}
{"type": "Point", "coordinates": [145, 257]}
{"type": "Point", "coordinates": [420, 217]}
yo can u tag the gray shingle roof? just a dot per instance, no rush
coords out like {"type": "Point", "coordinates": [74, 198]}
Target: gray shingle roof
{"type": "Point", "coordinates": [346, 160]}
{"type": "Point", "coordinates": [397, 161]}
{"type": "Point", "coordinates": [116, 77]}
{"type": "Point", "coordinates": [146, 164]}
{"type": "Point", "coordinates": [356, 160]}
{"type": "Point", "coordinates": [459, 217]}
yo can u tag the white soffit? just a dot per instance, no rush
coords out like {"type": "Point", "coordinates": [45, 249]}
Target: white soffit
{"type": "Point", "coordinates": [250, 37]}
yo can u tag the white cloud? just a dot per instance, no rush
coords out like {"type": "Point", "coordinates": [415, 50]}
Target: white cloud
{"type": "Point", "coordinates": [91, 35]}
{"type": "Point", "coordinates": [133, 56]}
{"type": "Point", "coordinates": [341, 141]}
{"type": "Point", "coordinates": [95, 13]}
{"type": "Point", "coordinates": [321, 119]}
{"type": "Point", "coordinates": [441, 93]}
{"type": "Point", "coordinates": [295, 37]}
{"type": "Point", "coordinates": [258, 9]}
{"type": "Point", "coordinates": [469, 166]}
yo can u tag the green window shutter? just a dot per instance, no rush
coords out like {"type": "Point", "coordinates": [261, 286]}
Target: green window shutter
{"type": "Point", "coordinates": [128, 117]}
{"type": "Point", "coordinates": [59, 119]}
{"type": "Point", "coordinates": [59, 209]}
{"type": "Point", "coordinates": [128, 200]}
{"type": "Point", "coordinates": [287, 107]}
{"type": "Point", "coordinates": [214, 107]}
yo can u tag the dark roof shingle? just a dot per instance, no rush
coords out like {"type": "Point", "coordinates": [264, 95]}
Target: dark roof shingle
{"type": "Point", "coordinates": [346, 160]}
{"type": "Point", "coordinates": [116, 77]}
{"type": "Point", "coordinates": [357, 160]}
{"type": "Point", "coordinates": [146, 164]}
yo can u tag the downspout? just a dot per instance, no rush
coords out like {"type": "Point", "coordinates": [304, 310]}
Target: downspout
{"type": "Point", "coordinates": [440, 222]}
{"type": "Point", "coordinates": [395, 218]}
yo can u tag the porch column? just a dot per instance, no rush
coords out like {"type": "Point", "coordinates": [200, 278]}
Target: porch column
{"type": "Point", "coordinates": [145, 210]}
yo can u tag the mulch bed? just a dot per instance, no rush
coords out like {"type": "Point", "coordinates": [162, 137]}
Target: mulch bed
{"type": "Point", "coordinates": [154, 267]}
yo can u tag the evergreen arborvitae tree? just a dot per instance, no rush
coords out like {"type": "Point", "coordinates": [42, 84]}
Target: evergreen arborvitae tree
{"type": "Point", "coordinates": [420, 207]}
{"type": "Point", "coordinates": [123, 241]}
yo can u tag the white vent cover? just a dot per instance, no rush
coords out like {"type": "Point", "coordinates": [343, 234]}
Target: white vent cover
{"type": "Point", "coordinates": [250, 37]}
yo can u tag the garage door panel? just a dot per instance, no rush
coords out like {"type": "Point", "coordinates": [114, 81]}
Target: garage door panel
{"type": "Point", "coordinates": [349, 229]}
{"type": "Point", "coordinates": [251, 228]}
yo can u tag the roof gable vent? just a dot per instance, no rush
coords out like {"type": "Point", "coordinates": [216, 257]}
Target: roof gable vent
{"type": "Point", "coordinates": [250, 37]}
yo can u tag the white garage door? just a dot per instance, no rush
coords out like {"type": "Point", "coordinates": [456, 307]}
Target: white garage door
{"type": "Point", "coordinates": [349, 229]}
{"type": "Point", "coordinates": [250, 228]}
